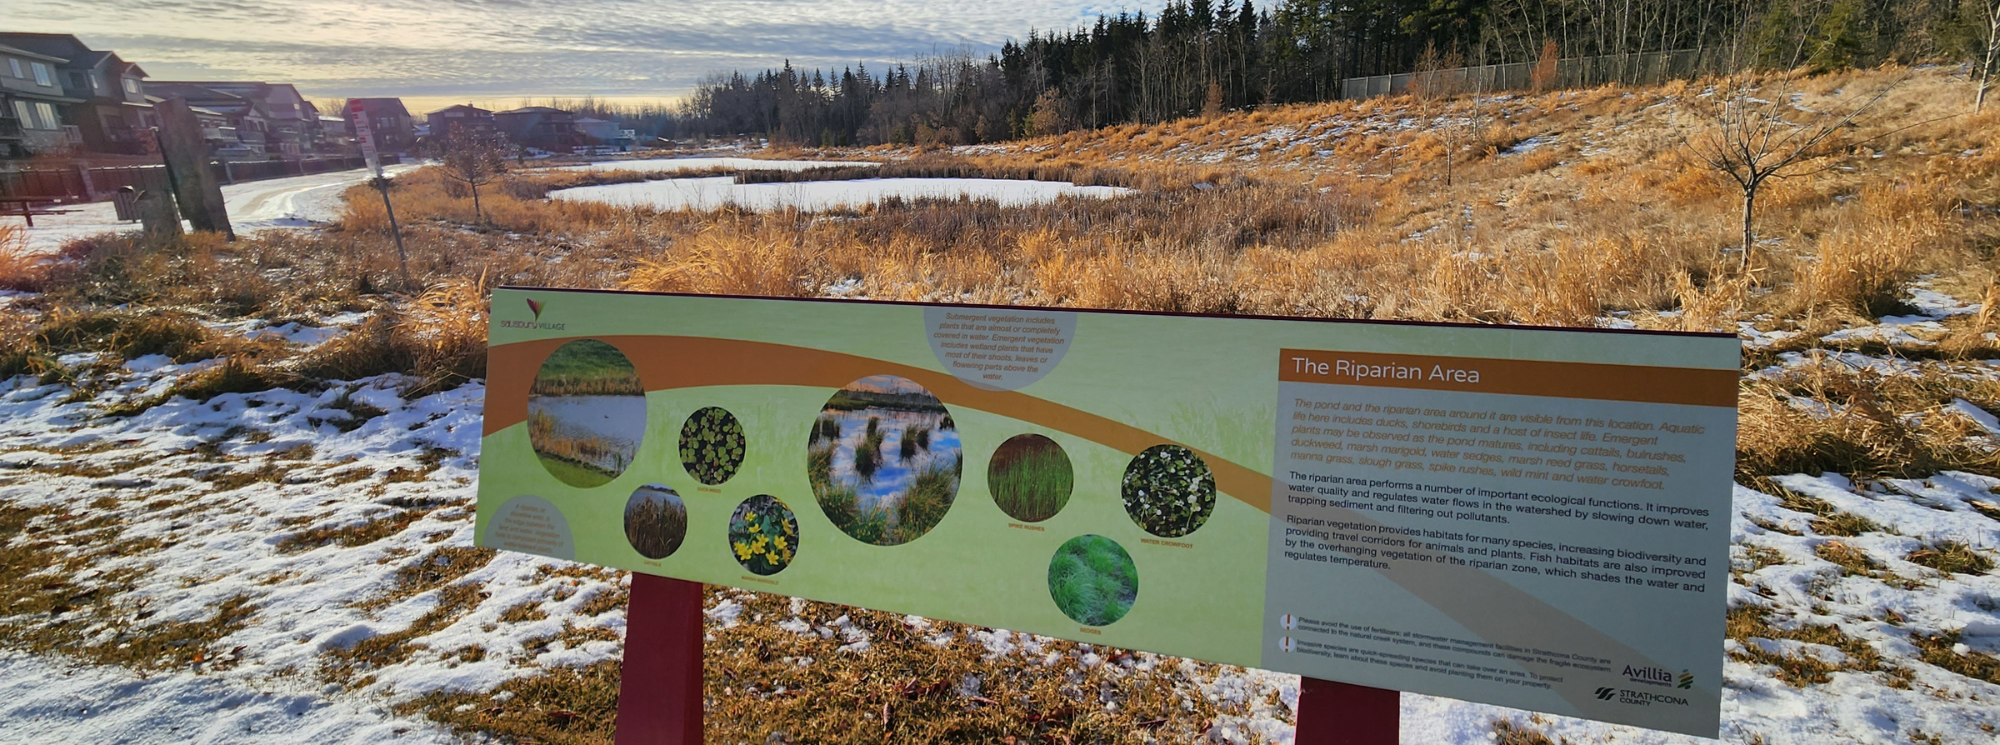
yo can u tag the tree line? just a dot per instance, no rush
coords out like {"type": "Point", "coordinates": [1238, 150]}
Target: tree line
{"type": "Point", "coordinates": [1197, 56]}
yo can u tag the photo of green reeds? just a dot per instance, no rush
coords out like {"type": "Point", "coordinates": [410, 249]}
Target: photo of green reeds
{"type": "Point", "coordinates": [1030, 478]}
{"type": "Point", "coordinates": [883, 459]}
{"type": "Point", "coordinates": [712, 445]}
{"type": "Point", "coordinates": [655, 521]}
{"type": "Point", "coordinates": [1093, 580]}
{"type": "Point", "coordinates": [763, 534]}
{"type": "Point", "coordinates": [1168, 491]}
{"type": "Point", "coordinates": [586, 413]}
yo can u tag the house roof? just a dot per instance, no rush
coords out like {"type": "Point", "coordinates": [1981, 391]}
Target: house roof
{"type": "Point", "coordinates": [531, 110]}
{"type": "Point", "coordinates": [465, 107]}
{"type": "Point", "coordinates": [19, 52]}
{"type": "Point", "coordinates": [75, 53]}
{"type": "Point", "coordinates": [381, 106]}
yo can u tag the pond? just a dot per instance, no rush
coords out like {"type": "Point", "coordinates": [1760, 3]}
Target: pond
{"type": "Point", "coordinates": [894, 474]}
{"type": "Point", "coordinates": [604, 431]}
{"type": "Point", "coordinates": [670, 165]}
{"type": "Point", "coordinates": [811, 196]}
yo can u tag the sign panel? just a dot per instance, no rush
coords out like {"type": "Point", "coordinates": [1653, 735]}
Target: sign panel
{"type": "Point", "coordinates": [1534, 518]}
{"type": "Point", "coordinates": [364, 135]}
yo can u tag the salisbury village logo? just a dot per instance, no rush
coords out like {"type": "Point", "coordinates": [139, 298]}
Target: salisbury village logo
{"type": "Point", "coordinates": [534, 306]}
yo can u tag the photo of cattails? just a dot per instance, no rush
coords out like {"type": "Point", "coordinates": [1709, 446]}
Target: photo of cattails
{"type": "Point", "coordinates": [764, 534]}
{"type": "Point", "coordinates": [586, 413]}
{"type": "Point", "coordinates": [1093, 580]}
{"type": "Point", "coordinates": [712, 445]}
{"type": "Point", "coordinates": [1030, 478]}
{"type": "Point", "coordinates": [883, 458]}
{"type": "Point", "coordinates": [1169, 491]}
{"type": "Point", "coordinates": [655, 521]}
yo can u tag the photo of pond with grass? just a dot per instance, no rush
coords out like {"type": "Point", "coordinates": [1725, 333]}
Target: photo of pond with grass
{"type": "Point", "coordinates": [1092, 579]}
{"type": "Point", "coordinates": [586, 413]}
{"type": "Point", "coordinates": [655, 521]}
{"type": "Point", "coordinates": [1030, 478]}
{"type": "Point", "coordinates": [1168, 491]}
{"type": "Point", "coordinates": [763, 534]}
{"type": "Point", "coordinates": [884, 461]}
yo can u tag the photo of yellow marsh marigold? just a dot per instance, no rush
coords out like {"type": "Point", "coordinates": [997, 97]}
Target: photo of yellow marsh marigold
{"type": "Point", "coordinates": [764, 534]}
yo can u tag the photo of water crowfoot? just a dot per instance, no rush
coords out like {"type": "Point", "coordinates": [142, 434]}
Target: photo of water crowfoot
{"type": "Point", "coordinates": [1169, 491]}
{"type": "Point", "coordinates": [655, 521]}
{"type": "Point", "coordinates": [1030, 478]}
{"type": "Point", "coordinates": [586, 413]}
{"type": "Point", "coordinates": [1092, 579]}
{"type": "Point", "coordinates": [763, 534]}
{"type": "Point", "coordinates": [884, 461]}
{"type": "Point", "coordinates": [712, 445]}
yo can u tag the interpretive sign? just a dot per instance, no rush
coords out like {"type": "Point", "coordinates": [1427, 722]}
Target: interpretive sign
{"type": "Point", "coordinates": [1536, 518]}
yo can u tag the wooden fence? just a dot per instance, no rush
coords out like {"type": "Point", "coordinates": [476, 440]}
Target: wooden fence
{"type": "Point", "coordinates": [71, 184]}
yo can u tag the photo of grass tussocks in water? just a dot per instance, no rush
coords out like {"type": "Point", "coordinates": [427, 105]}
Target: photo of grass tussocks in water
{"type": "Point", "coordinates": [884, 461]}
{"type": "Point", "coordinates": [1169, 491]}
{"type": "Point", "coordinates": [1093, 580]}
{"type": "Point", "coordinates": [764, 534]}
{"type": "Point", "coordinates": [1030, 478]}
{"type": "Point", "coordinates": [655, 521]}
{"type": "Point", "coordinates": [586, 413]}
{"type": "Point", "coordinates": [712, 445]}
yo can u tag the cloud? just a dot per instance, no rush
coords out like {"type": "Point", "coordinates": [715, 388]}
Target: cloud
{"type": "Point", "coordinates": [485, 48]}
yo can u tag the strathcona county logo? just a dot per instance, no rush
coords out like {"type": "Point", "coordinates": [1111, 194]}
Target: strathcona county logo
{"type": "Point", "coordinates": [1605, 694]}
{"type": "Point", "coordinates": [534, 306]}
{"type": "Point", "coordinates": [1639, 698]}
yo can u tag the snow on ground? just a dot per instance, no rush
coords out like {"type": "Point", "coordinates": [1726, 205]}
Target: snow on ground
{"type": "Point", "coordinates": [254, 206]}
{"type": "Point", "coordinates": [715, 193]}
{"type": "Point", "coordinates": [670, 165]}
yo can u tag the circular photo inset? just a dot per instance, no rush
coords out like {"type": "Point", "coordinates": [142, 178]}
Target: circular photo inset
{"type": "Point", "coordinates": [712, 445]}
{"type": "Point", "coordinates": [1030, 478]}
{"type": "Point", "coordinates": [655, 521]}
{"type": "Point", "coordinates": [586, 413]}
{"type": "Point", "coordinates": [764, 534]}
{"type": "Point", "coordinates": [1093, 580]}
{"type": "Point", "coordinates": [884, 461]}
{"type": "Point", "coordinates": [1169, 491]}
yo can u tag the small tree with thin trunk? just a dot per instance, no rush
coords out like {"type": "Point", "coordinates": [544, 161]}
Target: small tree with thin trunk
{"type": "Point", "coordinates": [1437, 81]}
{"type": "Point", "coordinates": [1543, 77]}
{"type": "Point", "coordinates": [1751, 133]}
{"type": "Point", "coordinates": [1992, 56]}
{"type": "Point", "coordinates": [474, 158]}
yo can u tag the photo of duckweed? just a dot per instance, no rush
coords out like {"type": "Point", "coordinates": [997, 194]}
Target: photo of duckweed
{"type": "Point", "coordinates": [712, 445]}
{"type": "Point", "coordinates": [884, 461]}
{"type": "Point", "coordinates": [764, 534]}
{"type": "Point", "coordinates": [586, 413]}
{"type": "Point", "coordinates": [1030, 478]}
{"type": "Point", "coordinates": [1169, 491]}
{"type": "Point", "coordinates": [655, 521]}
{"type": "Point", "coordinates": [1093, 580]}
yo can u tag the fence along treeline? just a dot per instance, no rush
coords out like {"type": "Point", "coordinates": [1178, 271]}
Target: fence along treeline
{"type": "Point", "coordinates": [1198, 55]}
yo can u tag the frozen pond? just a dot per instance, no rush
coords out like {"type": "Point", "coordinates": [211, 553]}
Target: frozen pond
{"type": "Point", "coordinates": [670, 165]}
{"type": "Point", "coordinates": [715, 193]}
{"type": "Point", "coordinates": [603, 429]}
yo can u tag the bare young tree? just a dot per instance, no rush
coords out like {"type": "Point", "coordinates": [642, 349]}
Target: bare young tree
{"type": "Point", "coordinates": [1992, 55]}
{"type": "Point", "coordinates": [1751, 131]}
{"type": "Point", "coordinates": [472, 157]}
{"type": "Point", "coordinates": [1440, 78]}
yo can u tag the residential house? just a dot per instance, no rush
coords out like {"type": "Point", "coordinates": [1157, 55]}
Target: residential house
{"type": "Point", "coordinates": [244, 130]}
{"type": "Point", "coordinates": [389, 122]}
{"type": "Point", "coordinates": [111, 114]}
{"type": "Point", "coordinates": [540, 127]}
{"type": "Point", "coordinates": [293, 122]}
{"type": "Point", "coordinates": [465, 117]}
{"type": "Point", "coordinates": [31, 102]}
{"type": "Point", "coordinates": [605, 133]}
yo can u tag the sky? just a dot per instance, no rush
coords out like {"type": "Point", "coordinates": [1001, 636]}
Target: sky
{"type": "Point", "coordinates": [437, 52]}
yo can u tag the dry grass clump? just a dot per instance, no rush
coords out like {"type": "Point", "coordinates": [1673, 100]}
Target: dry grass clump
{"type": "Point", "coordinates": [19, 270]}
{"type": "Point", "coordinates": [1748, 622]}
{"type": "Point", "coordinates": [1952, 557]}
{"type": "Point", "coordinates": [1941, 650]}
{"type": "Point", "coordinates": [1828, 417]}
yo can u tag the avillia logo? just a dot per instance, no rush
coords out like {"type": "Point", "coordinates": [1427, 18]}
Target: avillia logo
{"type": "Point", "coordinates": [534, 306]}
{"type": "Point", "coordinates": [1649, 675]}
{"type": "Point", "coordinates": [1605, 694]}
{"type": "Point", "coordinates": [1687, 680]}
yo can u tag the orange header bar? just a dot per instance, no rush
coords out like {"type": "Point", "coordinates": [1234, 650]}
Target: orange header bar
{"type": "Point", "coordinates": [1656, 385]}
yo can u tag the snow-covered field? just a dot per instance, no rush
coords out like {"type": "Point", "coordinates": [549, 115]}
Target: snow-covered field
{"type": "Point", "coordinates": [254, 206]}
{"type": "Point", "coordinates": [714, 193]}
{"type": "Point", "coordinates": [672, 165]}
{"type": "Point", "coordinates": [261, 496]}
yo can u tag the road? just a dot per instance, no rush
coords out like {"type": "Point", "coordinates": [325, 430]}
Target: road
{"type": "Point", "coordinates": [255, 206]}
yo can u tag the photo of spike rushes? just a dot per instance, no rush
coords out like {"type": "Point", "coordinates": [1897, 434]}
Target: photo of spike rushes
{"type": "Point", "coordinates": [1093, 581]}
{"type": "Point", "coordinates": [883, 458]}
{"type": "Point", "coordinates": [712, 445]}
{"type": "Point", "coordinates": [763, 534]}
{"type": "Point", "coordinates": [1030, 478]}
{"type": "Point", "coordinates": [586, 413]}
{"type": "Point", "coordinates": [1168, 491]}
{"type": "Point", "coordinates": [655, 521]}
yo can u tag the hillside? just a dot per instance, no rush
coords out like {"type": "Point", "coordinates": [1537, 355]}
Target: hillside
{"type": "Point", "coordinates": [239, 475]}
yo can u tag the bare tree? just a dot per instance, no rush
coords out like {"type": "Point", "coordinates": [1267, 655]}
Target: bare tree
{"type": "Point", "coordinates": [472, 157]}
{"type": "Point", "coordinates": [1438, 80]}
{"type": "Point", "coordinates": [1752, 140]}
{"type": "Point", "coordinates": [1992, 56]}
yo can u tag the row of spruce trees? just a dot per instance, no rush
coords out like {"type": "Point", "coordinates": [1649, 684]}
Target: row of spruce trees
{"type": "Point", "coordinates": [1204, 55]}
